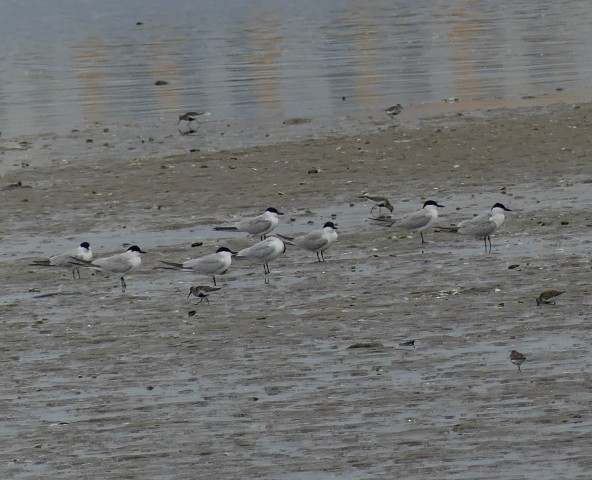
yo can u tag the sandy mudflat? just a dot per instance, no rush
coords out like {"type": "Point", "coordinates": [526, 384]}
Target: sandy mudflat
{"type": "Point", "coordinates": [260, 383]}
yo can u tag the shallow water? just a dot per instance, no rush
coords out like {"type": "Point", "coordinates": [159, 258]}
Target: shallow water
{"type": "Point", "coordinates": [90, 66]}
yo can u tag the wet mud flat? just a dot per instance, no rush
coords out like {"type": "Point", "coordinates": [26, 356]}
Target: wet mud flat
{"type": "Point", "coordinates": [261, 383]}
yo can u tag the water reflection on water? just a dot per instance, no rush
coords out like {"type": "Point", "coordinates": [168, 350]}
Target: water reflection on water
{"type": "Point", "coordinates": [72, 63]}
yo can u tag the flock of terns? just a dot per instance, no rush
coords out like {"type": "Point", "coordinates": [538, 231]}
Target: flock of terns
{"type": "Point", "coordinates": [269, 248]}
{"type": "Point", "coordinates": [217, 263]}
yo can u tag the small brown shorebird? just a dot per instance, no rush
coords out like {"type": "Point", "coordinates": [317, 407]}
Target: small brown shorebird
{"type": "Point", "coordinates": [202, 292]}
{"type": "Point", "coordinates": [545, 297]}
{"type": "Point", "coordinates": [190, 117]}
{"type": "Point", "coordinates": [394, 110]}
{"type": "Point", "coordinates": [517, 358]}
{"type": "Point", "coordinates": [379, 202]}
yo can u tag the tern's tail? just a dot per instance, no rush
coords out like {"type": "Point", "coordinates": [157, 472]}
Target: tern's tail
{"type": "Point", "coordinates": [226, 228]}
{"type": "Point", "coordinates": [78, 262]}
{"type": "Point", "coordinates": [171, 265]}
{"type": "Point", "coordinates": [41, 263]}
{"type": "Point", "coordinates": [285, 238]}
{"type": "Point", "coordinates": [453, 229]}
{"type": "Point", "coordinates": [383, 222]}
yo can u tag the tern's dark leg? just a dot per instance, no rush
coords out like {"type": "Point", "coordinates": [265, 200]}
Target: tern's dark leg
{"type": "Point", "coordinates": [323, 256]}
{"type": "Point", "coordinates": [422, 240]}
{"type": "Point", "coordinates": [123, 284]}
{"type": "Point", "coordinates": [74, 274]}
{"type": "Point", "coordinates": [266, 268]}
{"type": "Point", "coordinates": [214, 277]}
{"type": "Point", "coordinates": [489, 243]}
{"type": "Point", "coordinates": [318, 257]}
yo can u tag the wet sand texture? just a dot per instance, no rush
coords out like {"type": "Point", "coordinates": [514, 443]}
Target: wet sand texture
{"type": "Point", "coordinates": [261, 383]}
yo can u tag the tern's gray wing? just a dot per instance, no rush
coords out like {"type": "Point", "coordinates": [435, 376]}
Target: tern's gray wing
{"type": "Point", "coordinates": [383, 222]}
{"type": "Point", "coordinates": [207, 265]}
{"type": "Point", "coordinates": [259, 251]}
{"type": "Point", "coordinates": [414, 220]}
{"type": "Point", "coordinates": [63, 260]}
{"type": "Point", "coordinates": [254, 225]}
{"type": "Point", "coordinates": [66, 259]}
{"type": "Point", "coordinates": [312, 241]}
{"type": "Point", "coordinates": [285, 238]}
{"type": "Point", "coordinates": [480, 225]}
{"type": "Point", "coordinates": [43, 263]}
{"type": "Point", "coordinates": [117, 263]}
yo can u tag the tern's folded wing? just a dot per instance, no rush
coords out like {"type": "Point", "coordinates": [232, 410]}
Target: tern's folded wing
{"type": "Point", "coordinates": [208, 264]}
{"type": "Point", "coordinates": [414, 220]}
{"type": "Point", "coordinates": [255, 225]}
{"type": "Point", "coordinates": [313, 241]}
{"type": "Point", "coordinates": [480, 225]}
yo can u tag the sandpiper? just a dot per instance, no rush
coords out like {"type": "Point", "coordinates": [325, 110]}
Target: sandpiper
{"type": "Point", "coordinates": [379, 203]}
{"type": "Point", "coordinates": [202, 292]}
{"type": "Point", "coordinates": [517, 358]}
{"type": "Point", "coordinates": [545, 297]}
{"type": "Point", "coordinates": [190, 117]}
{"type": "Point", "coordinates": [394, 110]}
